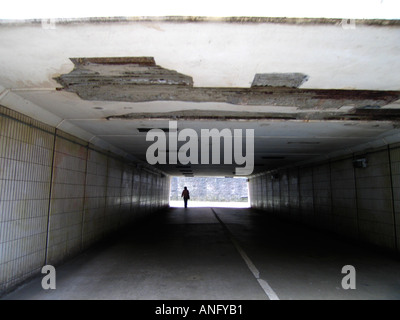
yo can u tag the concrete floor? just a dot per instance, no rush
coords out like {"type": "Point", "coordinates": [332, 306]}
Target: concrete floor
{"type": "Point", "coordinates": [218, 254]}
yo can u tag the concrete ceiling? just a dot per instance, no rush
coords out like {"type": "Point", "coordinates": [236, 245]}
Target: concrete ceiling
{"type": "Point", "coordinates": [352, 87]}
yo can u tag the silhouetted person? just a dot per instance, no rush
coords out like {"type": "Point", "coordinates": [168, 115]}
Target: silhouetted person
{"type": "Point", "coordinates": [185, 195]}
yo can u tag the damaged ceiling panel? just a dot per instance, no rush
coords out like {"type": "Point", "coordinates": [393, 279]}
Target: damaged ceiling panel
{"type": "Point", "coordinates": [122, 71]}
{"type": "Point", "coordinates": [291, 80]}
{"type": "Point", "coordinates": [353, 114]}
{"type": "Point", "coordinates": [139, 79]}
{"type": "Point", "coordinates": [309, 88]}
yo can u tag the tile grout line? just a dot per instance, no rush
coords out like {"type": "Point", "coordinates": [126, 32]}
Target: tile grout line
{"type": "Point", "coordinates": [393, 199]}
{"type": "Point", "coordinates": [263, 283]}
{"type": "Point", "coordinates": [46, 253]}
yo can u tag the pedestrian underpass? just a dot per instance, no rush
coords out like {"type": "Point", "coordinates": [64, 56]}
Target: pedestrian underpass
{"type": "Point", "coordinates": [92, 132]}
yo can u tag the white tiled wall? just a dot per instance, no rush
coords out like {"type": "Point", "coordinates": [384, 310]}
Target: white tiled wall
{"type": "Point", "coordinates": [374, 200]}
{"type": "Point", "coordinates": [263, 193]}
{"type": "Point", "coordinates": [344, 200]}
{"type": "Point", "coordinates": [67, 199]}
{"type": "Point", "coordinates": [59, 195]}
{"type": "Point", "coordinates": [395, 168]}
{"type": "Point", "coordinates": [284, 195]}
{"type": "Point", "coordinates": [126, 195]}
{"type": "Point", "coordinates": [113, 197]}
{"type": "Point", "coordinates": [306, 195]}
{"type": "Point", "coordinates": [322, 196]}
{"type": "Point", "coordinates": [360, 203]}
{"type": "Point", "coordinates": [270, 193]}
{"type": "Point", "coordinates": [294, 195]}
{"type": "Point", "coordinates": [276, 195]}
{"type": "Point", "coordinates": [95, 198]}
{"type": "Point", "coordinates": [136, 194]}
{"type": "Point", "coordinates": [25, 170]}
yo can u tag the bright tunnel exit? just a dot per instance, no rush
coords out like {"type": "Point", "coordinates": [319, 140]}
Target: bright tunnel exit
{"type": "Point", "coordinates": [210, 192]}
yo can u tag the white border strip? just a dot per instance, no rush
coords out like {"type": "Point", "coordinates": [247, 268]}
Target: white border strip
{"type": "Point", "coordinates": [264, 284]}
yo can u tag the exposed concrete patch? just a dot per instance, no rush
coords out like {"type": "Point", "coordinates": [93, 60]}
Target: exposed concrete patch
{"type": "Point", "coordinates": [139, 79]}
{"type": "Point", "coordinates": [356, 114]}
{"type": "Point", "coordinates": [203, 114]}
{"type": "Point", "coordinates": [291, 80]}
{"type": "Point", "coordinates": [91, 73]}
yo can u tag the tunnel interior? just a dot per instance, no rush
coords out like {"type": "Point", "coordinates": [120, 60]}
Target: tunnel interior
{"type": "Point", "coordinates": [93, 135]}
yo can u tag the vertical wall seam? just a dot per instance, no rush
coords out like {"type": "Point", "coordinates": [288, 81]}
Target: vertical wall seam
{"type": "Point", "coordinates": [84, 196]}
{"type": "Point", "coordinates": [272, 196]}
{"type": "Point", "coordinates": [393, 201]}
{"type": "Point", "coordinates": [50, 196]}
{"type": "Point", "coordinates": [356, 199]}
{"type": "Point", "coordinates": [280, 193]}
{"type": "Point", "coordinates": [259, 203]}
{"type": "Point", "coordinates": [299, 192]}
{"type": "Point", "coordinates": [140, 191]}
{"type": "Point", "coordinates": [331, 191]}
{"type": "Point", "coordinates": [133, 170]}
{"type": "Point", "coordinates": [121, 204]}
{"type": "Point", "coordinates": [313, 195]}
{"type": "Point", "coordinates": [264, 203]}
{"type": "Point", "coordinates": [106, 194]}
{"type": "Point", "coordinates": [289, 214]}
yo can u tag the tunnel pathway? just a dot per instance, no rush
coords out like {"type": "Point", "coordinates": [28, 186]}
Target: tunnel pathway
{"type": "Point", "coordinates": [220, 254]}
{"type": "Point", "coordinates": [264, 284]}
{"type": "Point", "coordinates": [304, 263]}
{"type": "Point", "coordinates": [181, 254]}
